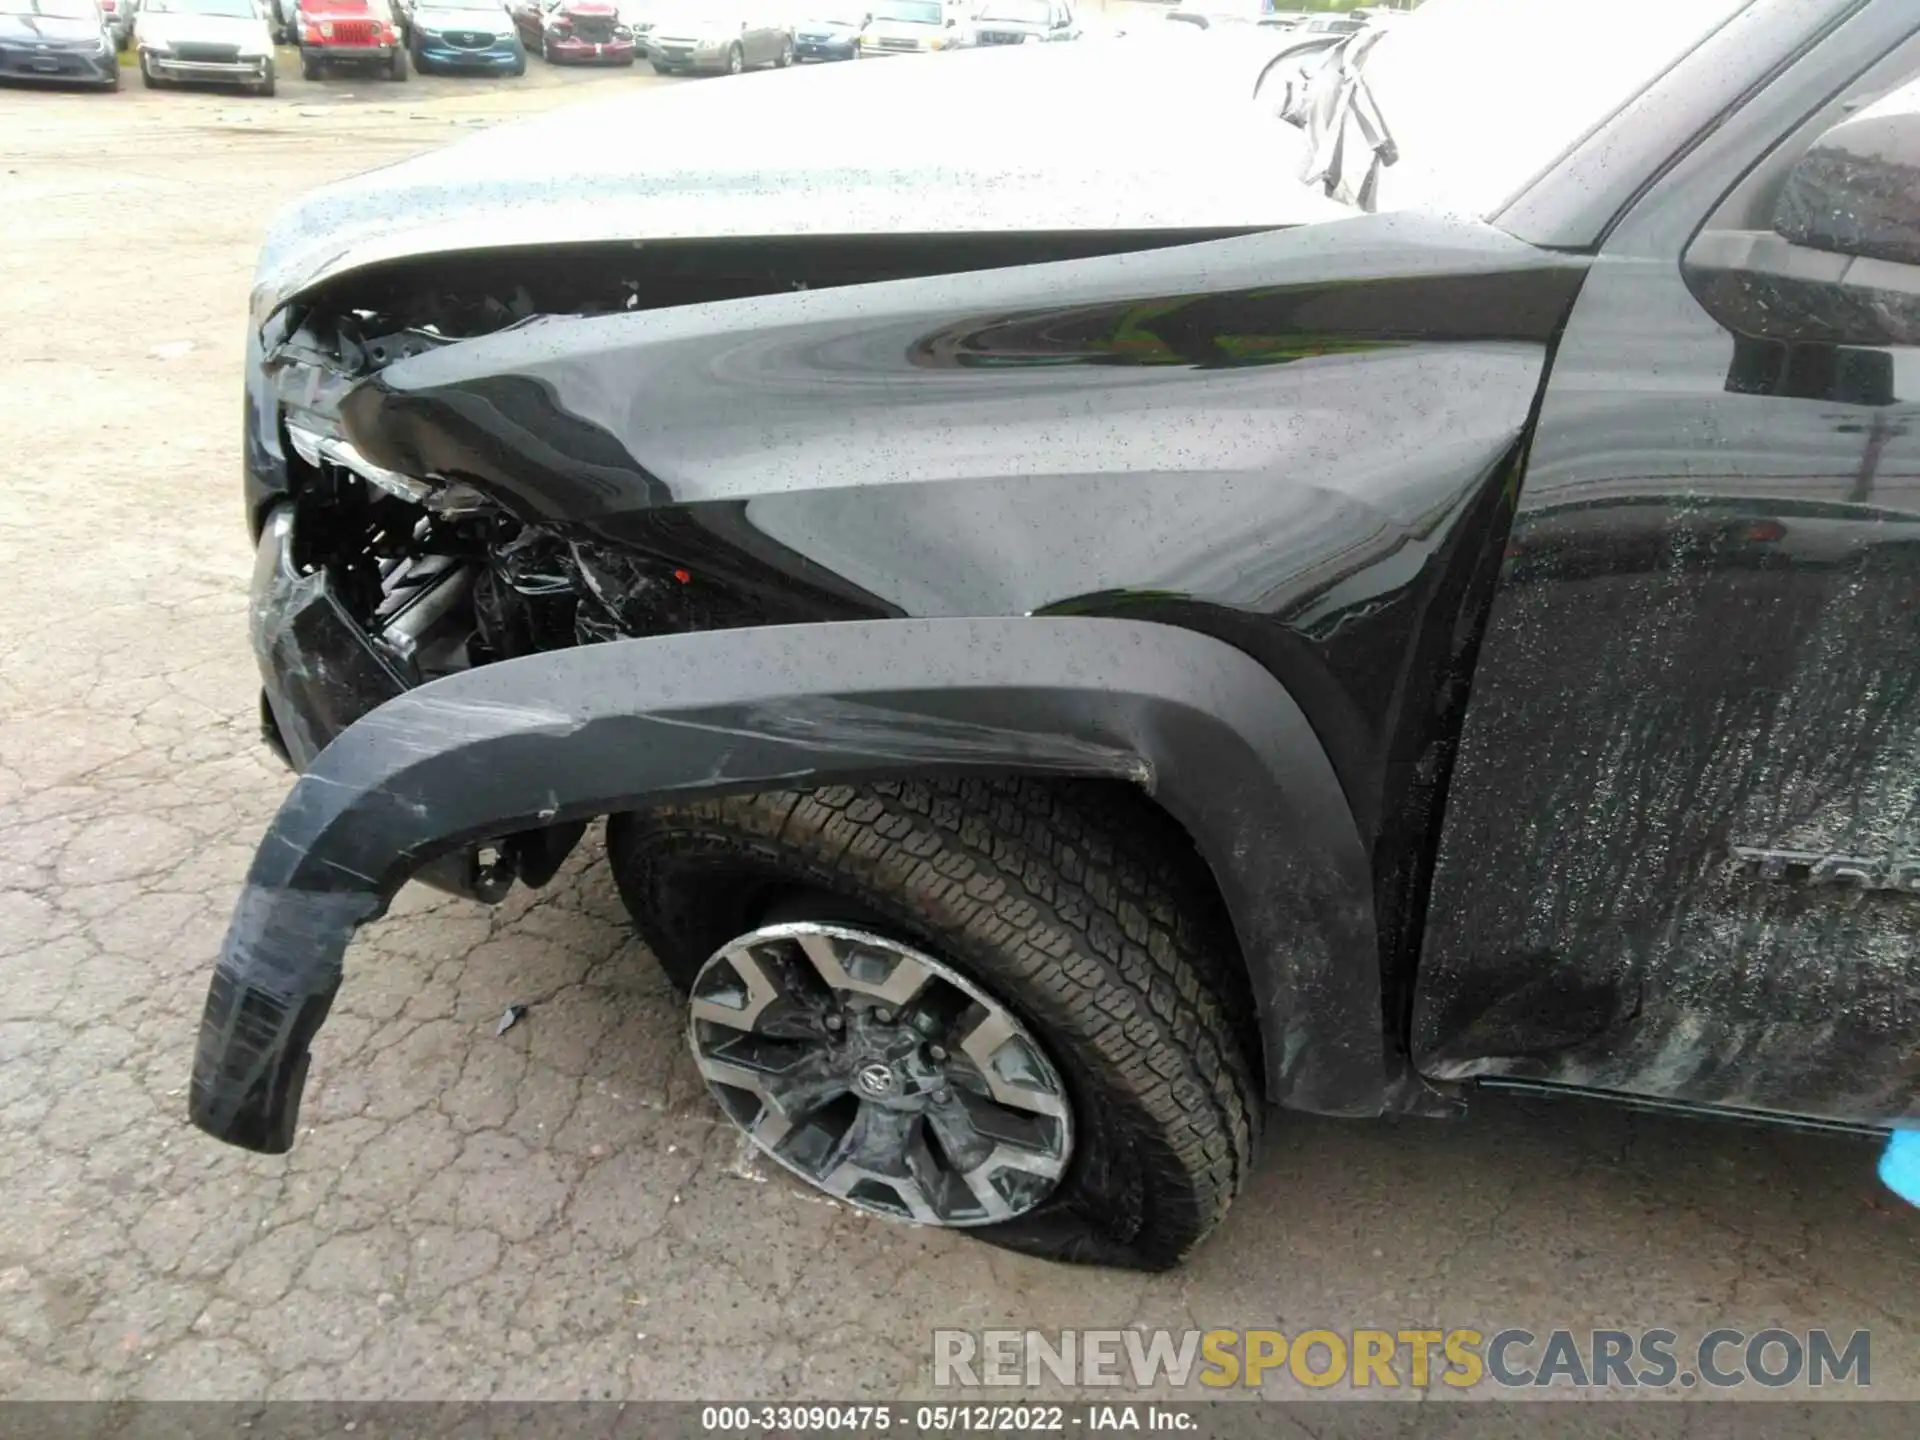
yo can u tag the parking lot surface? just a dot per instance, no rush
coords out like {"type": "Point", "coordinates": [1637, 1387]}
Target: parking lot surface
{"type": "Point", "coordinates": [556, 1211]}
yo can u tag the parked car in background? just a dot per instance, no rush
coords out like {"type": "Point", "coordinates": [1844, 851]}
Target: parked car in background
{"type": "Point", "coordinates": [906, 27]}
{"type": "Point", "coordinates": [574, 31]}
{"type": "Point", "coordinates": [1023, 22]}
{"type": "Point", "coordinates": [59, 40]}
{"type": "Point", "coordinates": [1213, 14]}
{"type": "Point", "coordinates": [1331, 25]}
{"type": "Point", "coordinates": [218, 42]}
{"type": "Point", "coordinates": [465, 37]}
{"type": "Point", "coordinates": [830, 37]}
{"type": "Point", "coordinates": [358, 34]}
{"type": "Point", "coordinates": [719, 38]}
{"type": "Point", "coordinates": [639, 16]}
{"type": "Point", "coordinates": [119, 17]}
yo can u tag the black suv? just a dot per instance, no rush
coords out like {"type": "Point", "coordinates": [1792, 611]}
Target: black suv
{"type": "Point", "coordinates": [1077, 657]}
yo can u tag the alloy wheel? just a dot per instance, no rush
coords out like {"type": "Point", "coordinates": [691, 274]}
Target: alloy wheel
{"type": "Point", "coordinates": [880, 1075]}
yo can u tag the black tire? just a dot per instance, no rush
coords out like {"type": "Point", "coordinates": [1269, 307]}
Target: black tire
{"type": "Point", "coordinates": [736, 60]}
{"type": "Point", "coordinates": [546, 51]}
{"type": "Point", "coordinates": [786, 54]}
{"type": "Point", "coordinates": [397, 66]}
{"type": "Point", "coordinates": [662, 69]}
{"type": "Point", "coordinates": [309, 67]}
{"type": "Point", "coordinates": [147, 77]}
{"type": "Point", "coordinates": [113, 80]}
{"type": "Point", "coordinates": [1085, 912]}
{"type": "Point", "coordinates": [266, 86]}
{"type": "Point", "coordinates": [519, 66]}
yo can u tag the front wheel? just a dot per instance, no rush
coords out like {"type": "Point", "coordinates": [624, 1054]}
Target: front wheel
{"type": "Point", "coordinates": [397, 66]}
{"type": "Point", "coordinates": [736, 60]}
{"type": "Point", "coordinates": [265, 87]}
{"type": "Point", "coordinates": [309, 68]}
{"type": "Point", "coordinates": [786, 53]}
{"type": "Point", "coordinates": [660, 68]}
{"type": "Point", "coordinates": [999, 1005]}
{"type": "Point", "coordinates": [147, 77]}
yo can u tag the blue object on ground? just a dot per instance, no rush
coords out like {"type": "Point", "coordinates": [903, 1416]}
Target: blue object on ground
{"type": "Point", "coordinates": [1900, 1165]}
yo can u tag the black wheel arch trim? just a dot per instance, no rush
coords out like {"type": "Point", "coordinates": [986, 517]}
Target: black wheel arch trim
{"type": "Point", "coordinates": [565, 735]}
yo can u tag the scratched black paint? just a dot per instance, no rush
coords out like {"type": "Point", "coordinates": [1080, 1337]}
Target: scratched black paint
{"type": "Point", "coordinates": [1705, 647]}
{"type": "Point", "coordinates": [1332, 449]}
{"type": "Point", "coordinates": [1312, 457]}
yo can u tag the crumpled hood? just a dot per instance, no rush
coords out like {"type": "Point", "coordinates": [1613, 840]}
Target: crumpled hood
{"type": "Point", "coordinates": [798, 152]}
{"type": "Point", "coordinates": [248, 33]}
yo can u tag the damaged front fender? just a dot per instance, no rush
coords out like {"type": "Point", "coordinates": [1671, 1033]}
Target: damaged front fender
{"type": "Point", "coordinates": [599, 729]}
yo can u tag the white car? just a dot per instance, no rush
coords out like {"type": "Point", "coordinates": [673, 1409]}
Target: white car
{"type": "Point", "coordinates": [223, 42]}
{"type": "Point", "coordinates": [908, 27]}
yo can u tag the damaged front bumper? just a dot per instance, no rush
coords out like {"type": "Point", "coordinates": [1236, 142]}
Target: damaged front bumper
{"type": "Point", "coordinates": [321, 671]}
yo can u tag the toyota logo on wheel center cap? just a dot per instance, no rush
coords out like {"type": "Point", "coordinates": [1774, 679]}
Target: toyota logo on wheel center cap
{"type": "Point", "coordinates": [875, 1079]}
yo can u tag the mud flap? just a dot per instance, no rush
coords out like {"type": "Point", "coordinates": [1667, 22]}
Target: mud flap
{"type": "Point", "coordinates": [563, 736]}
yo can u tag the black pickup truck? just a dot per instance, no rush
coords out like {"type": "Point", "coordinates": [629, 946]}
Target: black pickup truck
{"type": "Point", "coordinates": [1082, 647]}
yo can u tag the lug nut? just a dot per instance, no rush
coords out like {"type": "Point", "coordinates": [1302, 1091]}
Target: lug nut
{"type": "Point", "coordinates": [883, 1015]}
{"type": "Point", "coordinates": [941, 1096]}
{"type": "Point", "coordinates": [936, 1053]}
{"type": "Point", "coordinates": [834, 1022]}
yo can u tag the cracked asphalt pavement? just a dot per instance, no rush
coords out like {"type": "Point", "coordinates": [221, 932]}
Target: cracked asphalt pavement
{"type": "Point", "coordinates": [558, 1211]}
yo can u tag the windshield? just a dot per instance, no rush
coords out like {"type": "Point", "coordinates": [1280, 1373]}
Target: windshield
{"type": "Point", "coordinates": [64, 9]}
{"type": "Point", "coordinates": [1024, 12]}
{"type": "Point", "coordinates": [229, 9]}
{"type": "Point", "coordinates": [1321, 24]}
{"type": "Point", "coordinates": [491, 6]}
{"type": "Point", "coordinates": [1480, 96]}
{"type": "Point", "coordinates": [917, 12]}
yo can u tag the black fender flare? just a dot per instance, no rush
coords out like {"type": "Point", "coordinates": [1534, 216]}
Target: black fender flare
{"type": "Point", "coordinates": [570, 734]}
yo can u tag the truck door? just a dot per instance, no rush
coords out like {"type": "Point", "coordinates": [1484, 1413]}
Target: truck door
{"type": "Point", "coordinates": [1681, 857]}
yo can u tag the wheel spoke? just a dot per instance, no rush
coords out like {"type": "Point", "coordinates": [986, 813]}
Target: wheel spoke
{"type": "Point", "coordinates": [983, 1045]}
{"type": "Point", "coordinates": [904, 975]}
{"type": "Point", "coordinates": [760, 992]}
{"type": "Point", "coordinates": [879, 1149]}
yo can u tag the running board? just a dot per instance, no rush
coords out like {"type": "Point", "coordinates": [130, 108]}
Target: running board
{"type": "Point", "coordinates": [1771, 1118]}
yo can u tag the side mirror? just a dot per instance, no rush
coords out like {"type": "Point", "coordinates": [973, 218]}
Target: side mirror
{"type": "Point", "coordinates": [1855, 193]}
{"type": "Point", "coordinates": [1841, 264]}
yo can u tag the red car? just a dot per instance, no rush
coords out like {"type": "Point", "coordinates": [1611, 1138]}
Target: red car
{"type": "Point", "coordinates": [582, 30]}
{"type": "Point", "coordinates": [361, 33]}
